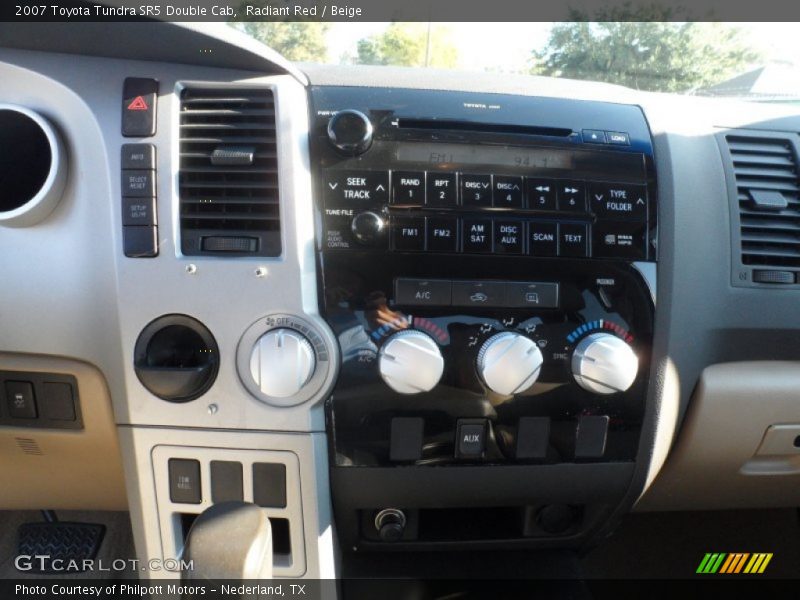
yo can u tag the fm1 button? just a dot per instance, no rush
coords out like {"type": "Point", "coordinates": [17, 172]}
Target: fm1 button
{"type": "Point", "coordinates": [573, 240]}
{"type": "Point", "coordinates": [441, 189]}
{"type": "Point", "coordinates": [470, 438]}
{"type": "Point", "coordinates": [408, 234]}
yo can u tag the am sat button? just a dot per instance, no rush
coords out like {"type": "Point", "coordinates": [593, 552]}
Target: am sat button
{"type": "Point", "coordinates": [620, 239]}
{"type": "Point", "coordinates": [477, 235]}
{"type": "Point", "coordinates": [422, 292]}
{"type": "Point", "coordinates": [618, 201]}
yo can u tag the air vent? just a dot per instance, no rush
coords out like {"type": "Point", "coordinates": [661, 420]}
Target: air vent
{"type": "Point", "coordinates": [768, 193]}
{"type": "Point", "coordinates": [228, 178]}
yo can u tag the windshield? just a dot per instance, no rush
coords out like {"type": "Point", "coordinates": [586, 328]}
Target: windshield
{"type": "Point", "coordinates": [750, 61]}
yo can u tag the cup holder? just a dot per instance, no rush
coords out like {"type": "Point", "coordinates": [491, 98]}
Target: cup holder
{"type": "Point", "coordinates": [176, 358]}
{"type": "Point", "coordinates": [32, 167]}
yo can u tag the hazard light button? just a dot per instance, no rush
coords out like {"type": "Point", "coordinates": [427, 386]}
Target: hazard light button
{"type": "Point", "coordinates": [139, 97]}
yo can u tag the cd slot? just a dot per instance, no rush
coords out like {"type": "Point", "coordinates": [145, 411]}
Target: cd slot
{"type": "Point", "coordinates": [471, 126]}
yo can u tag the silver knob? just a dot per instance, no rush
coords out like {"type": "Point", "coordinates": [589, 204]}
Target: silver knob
{"type": "Point", "coordinates": [281, 362]}
{"type": "Point", "coordinates": [604, 364]}
{"type": "Point", "coordinates": [509, 363]}
{"type": "Point", "coordinates": [410, 362]}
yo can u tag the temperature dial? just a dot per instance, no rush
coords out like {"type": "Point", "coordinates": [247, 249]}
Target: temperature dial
{"type": "Point", "coordinates": [350, 132]}
{"type": "Point", "coordinates": [509, 363]}
{"type": "Point", "coordinates": [604, 364]}
{"type": "Point", "coordinates": [410, 362]}
{"type": "Point", "coordinates": [282, 362]}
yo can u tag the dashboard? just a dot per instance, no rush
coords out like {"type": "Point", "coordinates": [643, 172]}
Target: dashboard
{"type": "Point", "coordinates": [396, 309]}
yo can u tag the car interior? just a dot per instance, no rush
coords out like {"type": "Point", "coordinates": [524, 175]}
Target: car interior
{"type": "Point", "coordinates": [263, 319]}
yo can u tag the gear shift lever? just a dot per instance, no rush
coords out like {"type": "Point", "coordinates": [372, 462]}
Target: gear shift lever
{"type": "Point", "coordinates": [230, 540]}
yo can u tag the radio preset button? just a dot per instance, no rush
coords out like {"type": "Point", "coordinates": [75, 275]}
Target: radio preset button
{"type": "Point", "coordinates": [573, 240]}
{"type": "Point", "coordinates": [531, 294]}
{"type": "Point", "coordinates": [442, 234]}
{"type": "Point", "coordinates": [572, 196]}
{"type": "Point", "coordinates": [477, 235]}
{"type": "Point", "coordinates": [476, 190]}
{"type": "Point", "coordinates": [408, 234]}
{"type": "Point", "coordinates": [356, 188]}
{"type": "Point", "coordinates": [408, 187]}
{"type": "Point", "coordinates": [508, 237]}
{"type": "Point", "coordinates": [477, 294]}
{"type": "Point", "coordinates": [543, 239]}
{"type": "Point", "coordinates": [541, 194]}
{"type": "Point", "coordinates": [620, 239]}
{"type": "Point", "coordinates": [441, 189]}
{"type": "Point", "coordinates": [422, 292]}
{"type": "Point", "coordinates": [618, 201]}
{"type": "Point", "coordinates": [507, 191]}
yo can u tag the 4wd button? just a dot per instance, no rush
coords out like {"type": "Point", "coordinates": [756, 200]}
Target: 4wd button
{"type": "Point", "coordinates": [356, 188]}
{"type": "Point", "coordinates": [618, 201]}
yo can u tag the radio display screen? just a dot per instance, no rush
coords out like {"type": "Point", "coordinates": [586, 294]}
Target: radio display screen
{"type": "Point", "coordinates": [530, 158]}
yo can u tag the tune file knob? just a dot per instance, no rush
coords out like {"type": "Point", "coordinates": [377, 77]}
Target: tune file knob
{"type": "Point", "coordinates": [604, 364]}
{"type": "Point", "coordinates": [509, 363]}
{"type": "Point", "coordinates": [282, 362]}
{"type": "Point", "coordinates": [410, 362]}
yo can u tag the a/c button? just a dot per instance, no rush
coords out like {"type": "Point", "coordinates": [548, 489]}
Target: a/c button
{"type": "Point", "coordinates": [422, 292]}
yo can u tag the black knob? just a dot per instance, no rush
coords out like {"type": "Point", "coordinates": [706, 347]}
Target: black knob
{"type": "Point", "coordinates": [390, 523]}
{"type": "Point", "coordinates": [368, 227]}
{"type": "Point", "coordinates": [350, 131]}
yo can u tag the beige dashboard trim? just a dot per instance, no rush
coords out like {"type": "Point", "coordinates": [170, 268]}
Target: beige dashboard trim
{"type": "Point", "coordinates": [75, 469]}
{"type": "Point", "coordinates": [724, 457]}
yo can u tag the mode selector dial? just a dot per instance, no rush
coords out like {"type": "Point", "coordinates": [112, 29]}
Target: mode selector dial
{"type": "Point", "coordinates": [509, 363]}
{"type": "Point", "coordinates": [410, 362]}
{"type": "Point", "coordinates": [604, 364]}
{"type": "Point", "coordinates": [350, 132]}
{"type": "Point", "coordinates": [282, 362]}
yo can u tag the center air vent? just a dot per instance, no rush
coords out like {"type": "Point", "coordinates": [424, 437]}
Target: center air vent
{"type": "Point", "coordinates": [228, 178]}
{"type": "Point", "coordinates": [768, 200]}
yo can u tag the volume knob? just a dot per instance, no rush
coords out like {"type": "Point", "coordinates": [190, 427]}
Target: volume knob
{"type": "Point", "coordinates": [604, 364]}
{"type": "Point", "coordinates": [410, 362]}
{"type": "Point", "coordinates": [509, 363]}
{"type": "Point", "coordinates": [281, 362]}
{"type": "Point", "coordinates": [350, 132]}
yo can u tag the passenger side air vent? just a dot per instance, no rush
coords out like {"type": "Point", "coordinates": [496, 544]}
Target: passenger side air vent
{"type": "Point", "coordinates": [768, 202]}
{"type": "Point", "coordinates": [228, 181]}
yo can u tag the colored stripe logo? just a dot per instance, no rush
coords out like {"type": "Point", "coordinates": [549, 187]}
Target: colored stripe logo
{"type": "Point", "coordinates": [734, 563]}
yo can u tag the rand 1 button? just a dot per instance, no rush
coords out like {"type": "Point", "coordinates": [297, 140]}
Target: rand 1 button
{"type": "Point", "coordinates": [507, 191]}
{"type": "Point", "coordinates": [441, 190]}
{"type": "Point", "coordinates": [408, 187]}
{"type": "Point", "coordinates": [618, 201]}
{"type": "Point", "coordinates": [573, 240]}
{"type": "Point", "coordinates": [479, 294]}
{"type": "Point", "coordinates": [476, 190]}
{"type": "Point", "coordinates": [542, 238]}
{"type": "Point", "coordinates": [541, 194]}
{"type": "Point", "coordinates": [345, 187]}
{"type": "Point", "coordinates": [620, 239]}
{"type": "Point", "coordinates": [530, 294]}
{"type": "Point", "coordinates": [408, 234]}
{"type": "Point", "coordinates": [572, 196]}
{"type": "Point", "coordinates": [508, 237]}
{"type": "Point", "coordinates": [442, 234]}
{"type": "Point", "coordinates": [476, 235]}
{"type": "Point", "coordinates": [422, 292]}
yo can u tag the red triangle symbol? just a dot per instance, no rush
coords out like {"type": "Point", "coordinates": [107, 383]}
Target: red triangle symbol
{"type": "Point", "coordinates": [138, 104]}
